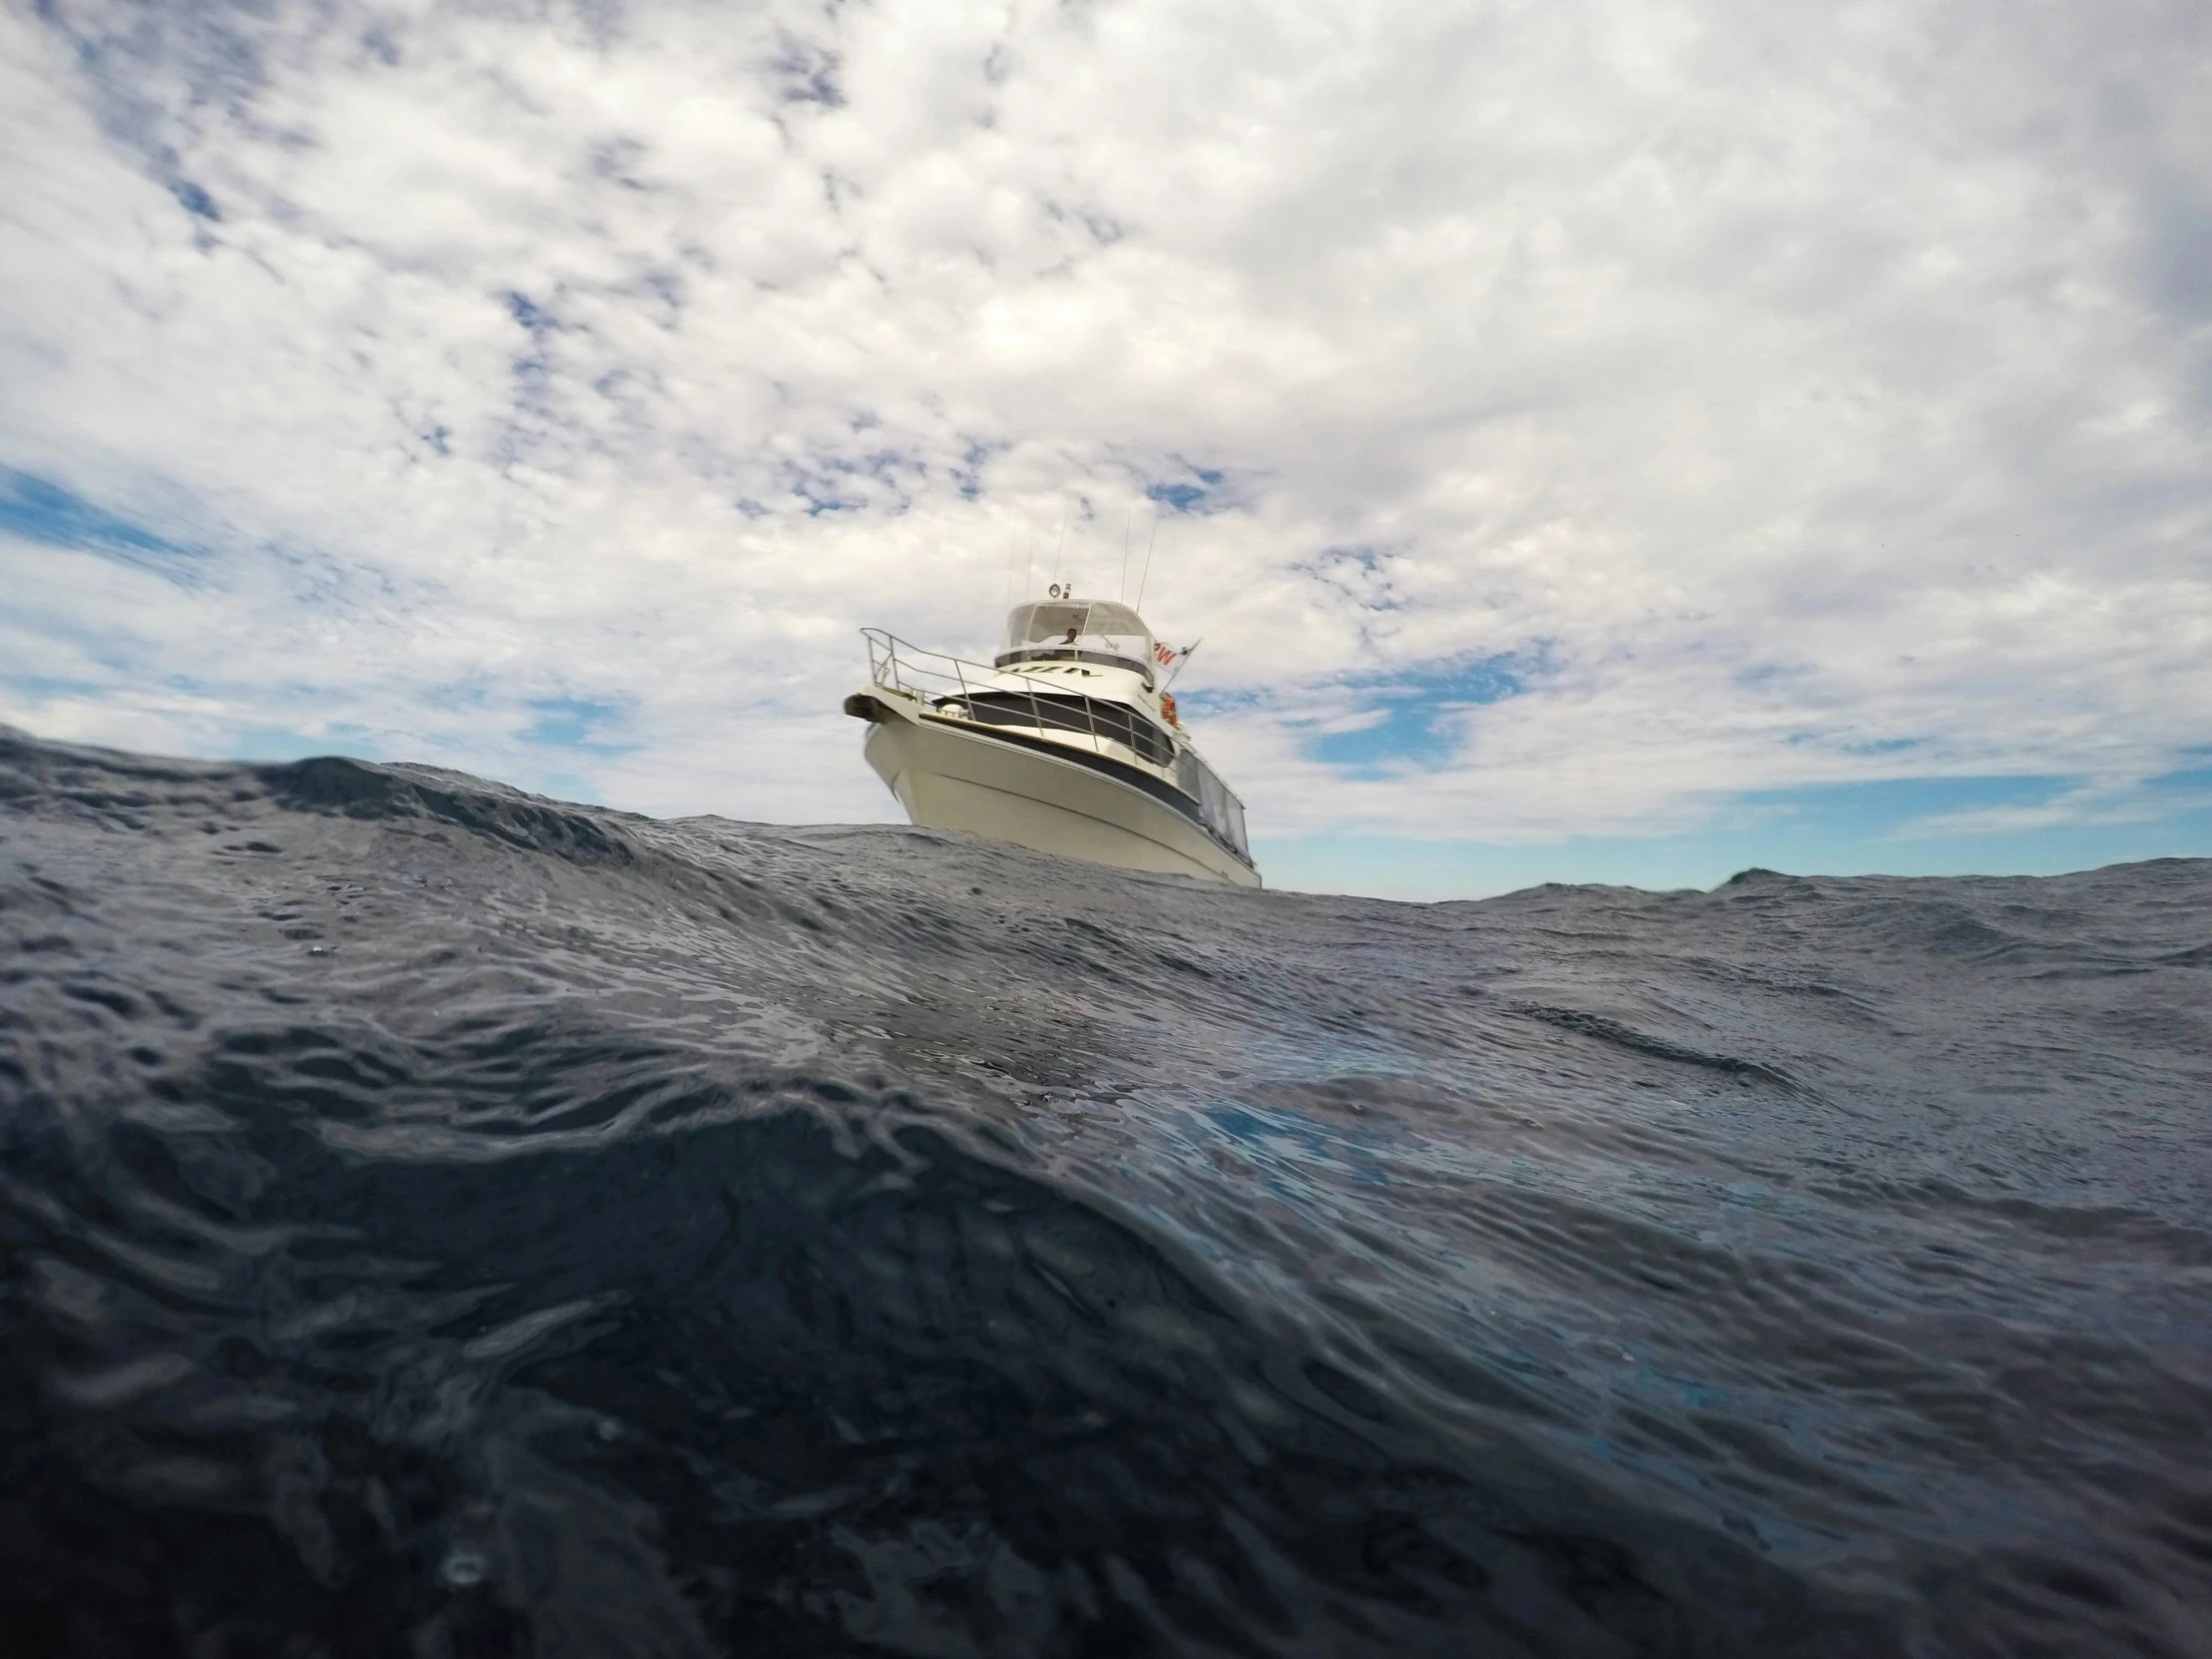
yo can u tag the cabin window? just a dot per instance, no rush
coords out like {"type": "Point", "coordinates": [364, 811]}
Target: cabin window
{"type": "Point", "coordinates": [1221, 812]}
{"type": "Point", "coordinates": [1083, 715]}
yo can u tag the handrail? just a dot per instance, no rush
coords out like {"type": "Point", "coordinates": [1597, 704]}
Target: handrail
{"type": "Point", "coordinates": [904, 668]}
{"type": "Point", "coordinates": [893, 662]}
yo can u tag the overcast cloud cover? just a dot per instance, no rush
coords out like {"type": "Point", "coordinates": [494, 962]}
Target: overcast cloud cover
{"type": "Point", "coordinates": [1571, 426]}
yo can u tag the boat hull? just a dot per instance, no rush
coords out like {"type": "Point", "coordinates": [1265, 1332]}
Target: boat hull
{"type": "Point", "coordinates": [951, 775]}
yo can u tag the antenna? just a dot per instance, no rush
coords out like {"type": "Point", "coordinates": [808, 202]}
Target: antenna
{"type": "Point", "coordinates": [1060, 546]}
{"type": "Point", "coordinates": [1122, 593]}
{"type": "Point", "coordinates": [1149, 540]}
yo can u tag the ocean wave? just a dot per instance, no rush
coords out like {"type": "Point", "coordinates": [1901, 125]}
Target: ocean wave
{"type": "Point", "coordinates": [447, 1221]}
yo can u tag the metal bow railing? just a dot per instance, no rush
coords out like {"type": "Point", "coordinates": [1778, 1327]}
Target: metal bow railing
{"type": "Point", "coordinates": [969, 691]}
{"type": "Point", "coordinates": [898, 666]}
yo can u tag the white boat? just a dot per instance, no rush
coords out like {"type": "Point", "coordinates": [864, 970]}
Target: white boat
{"type": "Point", "coordinates": [1066, 743]}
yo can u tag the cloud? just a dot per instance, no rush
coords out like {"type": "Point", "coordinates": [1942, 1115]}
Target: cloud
{"type": "Point", "coordinates": [1790, 400]}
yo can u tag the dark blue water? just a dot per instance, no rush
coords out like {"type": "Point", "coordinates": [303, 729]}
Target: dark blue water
{"type": "Point", "coordinates": [443, 1222]}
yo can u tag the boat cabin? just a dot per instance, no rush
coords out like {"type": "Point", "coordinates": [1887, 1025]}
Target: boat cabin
{"type": "Point", "coordinates": [1080, 631]}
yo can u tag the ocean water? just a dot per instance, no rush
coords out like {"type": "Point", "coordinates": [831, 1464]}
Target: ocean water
{"type": "Point", "coordinates": [438, 1221]}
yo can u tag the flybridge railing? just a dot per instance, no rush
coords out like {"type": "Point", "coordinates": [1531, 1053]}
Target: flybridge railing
{"type": "Point", "coordinates": [969, 691]}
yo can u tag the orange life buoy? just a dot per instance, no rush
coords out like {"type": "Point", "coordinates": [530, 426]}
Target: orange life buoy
{"type": "Point", "coordinates": [1167, 707]}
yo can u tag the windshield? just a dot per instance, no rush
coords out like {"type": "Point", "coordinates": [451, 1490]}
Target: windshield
{"type": "Point", "coordinates": [1095, 624]}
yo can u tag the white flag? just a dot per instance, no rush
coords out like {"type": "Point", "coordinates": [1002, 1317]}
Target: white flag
{"type": "Point", "coordinates": [1171, 659]}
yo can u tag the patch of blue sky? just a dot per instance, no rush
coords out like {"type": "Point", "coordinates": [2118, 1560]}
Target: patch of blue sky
{"type": "Point", "coordinates": [1192, 493]}
{"type": "Point", "coordinates": [1216, 699]}
{"type": "Point", "coordinates": [1411, 720]}
{"type": "Point", "coordinates": [1944, 811]}
{"type": "Point", "coordinates": [39, 510]}
{"type": "Point", "coordinates": [279, 742]}
{"type": "Point", "coordinates": [975, 458]}
{"type": "Point", "coordinates": [528, 313]}
{"type": "Point", "coordinates": [576, 723]}
{"type": "Point", "coordinates": [1873, 745]}
{"type": "Point", "coordinates": [1894, 826]}
{"type": "Point", "coordinates": [1359, 572]}
{"type": "Point", "coordinates": [468, 690]}
{"type": "Point", "coordinates": [564, 785]}
{"type": "Point", "coordinates": [194, 200]}
{"type": "Point", "coordinates": [43, 687]}
{"type": "Point", "coordinates": [1891, 807]}
{"type": "Point", "coordinates": [841, 484]}
{"type": "Point", "coordinates": [2190, 785]}
{"type": "Point", "coordinates": [2194, 778]}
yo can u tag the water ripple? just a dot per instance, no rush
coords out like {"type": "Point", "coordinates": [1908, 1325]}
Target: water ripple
{"type": "Point", "coordinates": [439, 1219]}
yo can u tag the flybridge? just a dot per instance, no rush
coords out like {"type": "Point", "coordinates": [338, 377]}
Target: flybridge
{"type": "Point", "coordinates": [1064, 742]}
{"type": "Point", "coordinates": [1086, 630]}
{"type": "Point", "coordinates": [1078, 630]}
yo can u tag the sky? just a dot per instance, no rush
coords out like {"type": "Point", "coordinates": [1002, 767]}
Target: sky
{"type": "Point", "coordinates": [1596, 440]}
